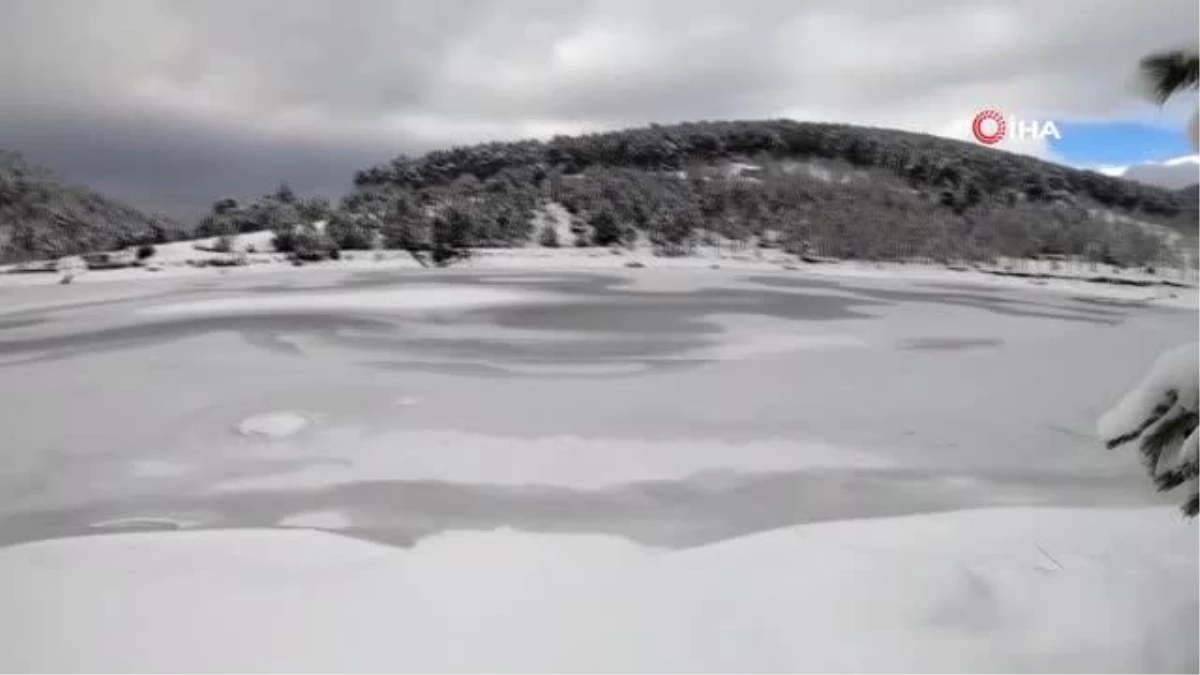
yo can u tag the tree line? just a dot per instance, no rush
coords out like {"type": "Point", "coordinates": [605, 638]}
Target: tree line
{"type": "Point", "coordinates": [833, 208]}
{"type": "Point", "coordinates": [931, 162]}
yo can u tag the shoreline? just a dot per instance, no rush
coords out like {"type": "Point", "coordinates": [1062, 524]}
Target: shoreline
{"type": "Point", "coordinates": [1168, 289]}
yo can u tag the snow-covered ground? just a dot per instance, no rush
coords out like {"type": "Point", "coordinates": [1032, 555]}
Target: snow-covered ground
{"type": "Point", "coordinates": [1003, 590]}
{"type": "Point", "coordinates": [186, 259]}
{"type": "Point", "coordinates": [363, 466]}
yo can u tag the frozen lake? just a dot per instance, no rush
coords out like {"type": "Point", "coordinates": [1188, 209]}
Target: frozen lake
{"type": "Point", "coordinates": [670, 407]}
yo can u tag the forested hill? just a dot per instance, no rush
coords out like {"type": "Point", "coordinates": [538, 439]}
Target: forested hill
{"type": "Point", "coordinates": [837, 190]}
{"type": "Point", "coordinates": [42, 217]}
{"type": "Point", "coordinates": [921, 160]}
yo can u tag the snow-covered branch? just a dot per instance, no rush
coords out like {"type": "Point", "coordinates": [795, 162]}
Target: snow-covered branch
{"type": "Point", "coordinates": [1162, 414]}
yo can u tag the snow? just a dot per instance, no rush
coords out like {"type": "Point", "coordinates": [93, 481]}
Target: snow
{"type": "Point", "coordinates": [558, 461]}
{"type": "Point", "coordinates": [757, 337]}
{"type": "Point", "coordinates": [556, 216]}
{"type": "Point", "coordinates": [273, 425]}
{"type": "Point", "coordinates": [811, 374]}
{"type": "Point", "coordinates": [71, 265]}
{"type": "Point", "coordinates": [261, 242]}
{"type": "Point", "coordinates": [1001, 590]}
{"type": "Point", "coordinates": [738, 169]}
{"type": "Point", "coordinates": [1177, 370]}
{"type": "Point", "coordinates": [172, 262]}
{"type": "Point", "coordinates": [425, 298]}
{"type": "Point", "coordinates": [609, 368]}
{"type": "Point", "coordinates": [159, 468]}
{"type": "Point", "coordinates": [1072, 281]}
{"type": "Point", "coordinates": [139, 522]}
{"type": "Point", "coordinates": [1170, 389]}
{"type": "Point", "coordinates": [320, 520]}
{"type": "Point", "coordinates": [190, 258]}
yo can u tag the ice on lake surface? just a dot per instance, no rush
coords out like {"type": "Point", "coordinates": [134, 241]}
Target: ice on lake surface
{"type": "Point", "coordinates": [669, 409]}
{"type": "Point", "coordinates": [673, 407]}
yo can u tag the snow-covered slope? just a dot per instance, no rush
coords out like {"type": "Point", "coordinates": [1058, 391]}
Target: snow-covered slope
{"type": "Point", "coordinates": [1004, 590]}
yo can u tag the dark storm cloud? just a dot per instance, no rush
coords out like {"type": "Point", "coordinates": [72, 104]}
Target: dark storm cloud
{"type": "Point", "coordinates": [171, 104]}
{"type": "Point", "coordinates": [161, 164]}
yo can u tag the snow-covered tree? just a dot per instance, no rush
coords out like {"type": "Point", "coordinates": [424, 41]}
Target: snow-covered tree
{"type": "Point", "coordinates": [1161, 414]}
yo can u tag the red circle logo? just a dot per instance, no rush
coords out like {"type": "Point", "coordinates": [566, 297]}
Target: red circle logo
{"type": "Point", "coordinates": [989, 127]}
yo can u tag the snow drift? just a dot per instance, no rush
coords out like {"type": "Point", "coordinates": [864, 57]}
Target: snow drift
{"type": "Point", "coordinates": [994, 590]}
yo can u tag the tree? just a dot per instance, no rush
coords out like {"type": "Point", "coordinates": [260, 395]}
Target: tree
{"type": "Point", "coordinates": [1160, 414]}
{"type": "Point", "coordinates": [606, 231]}
{"type": "Point", "coordinates": [224, 244]}
{"type": "Point", "coordinates": [1173, 72]}
{"type": "Point", "coordinates": [405, 225]}
{"type": "Point", "coordinates": [279, 217]}
{"type": "Point", "coordinates": [306, 242]}
{"type": "Point", "coordinates": [227, 217]}
{"type": "Point", "coordinates": [285, 194]}
{"type": "Point", "coordinates": [548, 236]}
{"type": "Point", "coordinates": [1170, 72]}
{"type": "Point", "coordinates": [314, 209]}
{"type": "Point", "coordinates": [451, 234]}
{"type": "Point", "coordinates": [348, 232]}
{"type": "Point", "coordinates": [224, 206]}
{"type": "Point", "coordinates": [671, 226]}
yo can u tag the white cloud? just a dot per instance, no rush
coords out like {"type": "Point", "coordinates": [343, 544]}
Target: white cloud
{"type": "Point", "coordinates": [1173, 174]}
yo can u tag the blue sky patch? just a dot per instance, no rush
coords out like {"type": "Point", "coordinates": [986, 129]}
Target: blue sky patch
{"type": "Point", "coordinates": [1119, 143]}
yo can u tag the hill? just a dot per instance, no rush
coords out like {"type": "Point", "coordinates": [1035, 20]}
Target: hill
{"type": "Point", "coordinates": [811, 189]}
{"type": "Point", "coordinates": [1189, 196]}
{"type": "Point", "coordinates": [814, 189]}
{"type": "Point", "coordinates": [838, 190]}
{"type": "Point", "coordinates": [920, 159]}
{"type": "Point", "coordinates": [42, 217]}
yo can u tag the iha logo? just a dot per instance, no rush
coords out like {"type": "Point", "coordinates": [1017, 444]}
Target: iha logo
{"type": "Point", "coordinates": [990, 127]}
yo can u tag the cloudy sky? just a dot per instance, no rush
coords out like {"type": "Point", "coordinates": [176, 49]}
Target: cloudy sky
{"type": "Point", "coordinates": [170, 104]}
